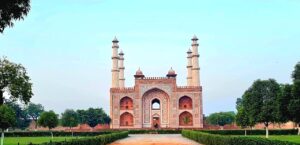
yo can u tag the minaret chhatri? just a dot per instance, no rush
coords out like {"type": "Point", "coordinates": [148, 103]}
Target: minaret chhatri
{"type": "Point", "coordinates": [189, 68]}
{"type": "Point", "coordinates": [195, 62]}
{"type": "Point", "coordinates": [115, 59]}
{"type": "Point", "coordinates": [121, 69]}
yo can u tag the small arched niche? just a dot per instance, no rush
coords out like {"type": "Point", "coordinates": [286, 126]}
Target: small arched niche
{"type": "Point", "coordinates": [126, 103]}
{"type": "Point", "coordinates": [185, 119]}
{"type": "Point", "coordinates": [126, 119]}
{"type": "Point", "coordinates": [185, 102]}
{"type": "Point", "coordinates": [155, 104]}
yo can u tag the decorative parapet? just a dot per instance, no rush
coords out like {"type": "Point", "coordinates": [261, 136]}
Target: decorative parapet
{"type": "Point", "coordinates": [156, 78]}
{"type": "Point", "coordinates": [189, 88]}
{"type": "Point", "coordinates": [122, 90]}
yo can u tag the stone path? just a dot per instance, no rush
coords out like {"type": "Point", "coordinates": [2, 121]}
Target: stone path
{"type": "Point", "coordinates": [155, 139]}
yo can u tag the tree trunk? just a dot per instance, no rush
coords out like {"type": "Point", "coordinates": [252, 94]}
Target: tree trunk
{"type": "Point", "coordinates": [245, 131]}
{"type": "Point", "coordinates": [71, 131]}
{"type": "Point", "coordinates": [222, 127]}
{"type": "Point", "coordinates": [267, 130]}
{"type": "Point", "coordinates": [2, 137]}
{"type": "Point", "coordinates": [51, 133]}
{"type": "Point", "coordinates": [298, 129]}
{"type": "Point", "coordinates": [36, 124]}
{"type": "Point", "coordinates": [1, 97]}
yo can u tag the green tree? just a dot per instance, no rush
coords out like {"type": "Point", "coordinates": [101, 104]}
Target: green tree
{"type": "Point", "coordinates": [242, 118]}
{"type": "Point", "coordinates": [82, 116]}
{"type": "Point", "coordinates": [70, 119]}
{"type": "Point", "coordinates": [34, 111]}
{"type": "Point", "coordinates": [48, 119]}
{"type": "Point", "coordinates": [11, 10]}
{"type": "Point", "coordinates": [294, 105]}
{"type": "Point", "coordinates": [221, 118]}
{"type": "Point", "coordinates": [13, 77]}
{"type": "Point", "coordinates": [22, 118]}
{"type": "Point", "coordinates": [93, 116]}
{"type": "Point", "coordinates": [96, 116]}
{"type": "Point", "coordinates": [283, 101]}
{"type": "Point", "coordinates": [7, 119]}
{"type": "Point", "coordinates": [261, 102]}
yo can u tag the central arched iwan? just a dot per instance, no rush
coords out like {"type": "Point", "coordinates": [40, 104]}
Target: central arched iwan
{"type": "Point", "coordinates": [156, 94]}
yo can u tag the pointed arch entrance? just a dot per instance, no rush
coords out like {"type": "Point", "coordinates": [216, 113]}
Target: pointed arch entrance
{"type": "Point", "coordinates": [155, 109]}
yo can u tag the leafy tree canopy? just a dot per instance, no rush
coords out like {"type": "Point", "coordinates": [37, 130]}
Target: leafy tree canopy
{"type": "Point", "coordinates": [296, 72]}
{"type": "Point", "coordinates": [70, 118]}
{"type": "Point", "coordinates": [283, 101]}
{"type": "Point", "coordinates": [260, 101]}
{"type": "Point", "coordinates": [48, 119]}
{"type": "Point", "coordinates": [7, 117]}
{"type": "Point", "coordinates": [22, 118]}
{"type": "Point", "coordinates": [34, 110]}
{"type": "Point", "coordinates": [294, 105]}
{"type": "Point", "coordinates": [14, 80]}
{"type": "Point", "coordinates": [11, 10]}
{"type": "Point", "coordinates": [221, 118]}
{"type": "Point", "coordinates": [93, 116]}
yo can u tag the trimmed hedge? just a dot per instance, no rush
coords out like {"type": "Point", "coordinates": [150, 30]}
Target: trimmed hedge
{"type": "Point", "coordinates": [55, 133]}
{"type": "Point", "coordinates": [163, 131]}
{"type": "Point", "coordinates": [214, 139]}
{"type": "Point", "coordinates": [253, 132]}
{"type": "Point", "coordinates": [97, 140]}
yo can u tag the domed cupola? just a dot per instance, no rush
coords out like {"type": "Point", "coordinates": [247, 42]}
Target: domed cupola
{"type": "Point", "coordinates": [171, 73]}
{"type": "Point", "coordinates": [139, 74]}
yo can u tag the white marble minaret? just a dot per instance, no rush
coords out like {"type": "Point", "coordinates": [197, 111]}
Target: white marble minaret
{"type": "Point", "coordinates": [121, 70]}
{"type": "Point", "coordinates": [189, 68]}
{"type": "Point", "coordinates": [195, 62]}
{"type": "Point", "coordinates": [115, 59]}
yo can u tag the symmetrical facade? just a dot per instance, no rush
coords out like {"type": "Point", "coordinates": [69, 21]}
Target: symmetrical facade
{"type": "Point", "coordinates": [156, 102]}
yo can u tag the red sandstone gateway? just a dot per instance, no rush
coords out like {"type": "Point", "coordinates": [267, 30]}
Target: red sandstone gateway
{"type": "Point", "coordinates": [156, 102]}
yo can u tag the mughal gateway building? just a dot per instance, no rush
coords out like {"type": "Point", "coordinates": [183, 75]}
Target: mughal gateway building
{"type": "Point", "coordinates": [156, 102]}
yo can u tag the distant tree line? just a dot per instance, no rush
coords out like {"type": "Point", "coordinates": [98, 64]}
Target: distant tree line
{"type": "Point", "coordinates": [221, 118]}
{"type": "Point", "coordinates": [267, 101]}
{"type": "Point", "coordinates": [16, 110]}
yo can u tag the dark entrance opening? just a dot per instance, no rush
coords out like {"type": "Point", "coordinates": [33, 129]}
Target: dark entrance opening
{"type": "Point", "coordinates": [156, 122]}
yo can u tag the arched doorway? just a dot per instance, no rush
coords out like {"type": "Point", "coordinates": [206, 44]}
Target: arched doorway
{"type": "Point", "coordinates": [185, 119]}
{"type": "Point", "coordinates": [126, 119]}
{"type": "Point", "coordinates": [156, 121]}
{"type": "Point", "coordinates": [185, 102]}
{"type": "Point", "coordinates": [126, 103]}
{"type": "Point", "coordinates": [155, 101]}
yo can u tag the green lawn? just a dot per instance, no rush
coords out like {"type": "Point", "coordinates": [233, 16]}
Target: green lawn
{"type": "Point", "coordinates": [27, 140]}
{"type": "Point", "coordinates": [290, 138]}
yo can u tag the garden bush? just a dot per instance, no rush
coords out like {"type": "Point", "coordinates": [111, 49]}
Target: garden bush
{"type": "Point", "coordinates": [97, 140]}
{"type": "Point", "coordinates": [55, 133]}
{"type": "Point", "coordinates": [253, 132]}
{"type": "Point", "coordinates": [215, 139]}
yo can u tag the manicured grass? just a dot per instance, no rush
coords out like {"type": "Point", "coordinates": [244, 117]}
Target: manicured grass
{"type": "Point", "coordinates": [290, 138]}
{"type": "Point", "coordinates": [27, 140]}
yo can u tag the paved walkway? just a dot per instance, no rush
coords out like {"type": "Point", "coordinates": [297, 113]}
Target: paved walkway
{"type": "Point", "coordinates": [155, 139]}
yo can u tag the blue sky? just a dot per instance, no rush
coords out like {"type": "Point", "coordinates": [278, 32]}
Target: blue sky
{"type": "Point", "coordinates": [66, 46]}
